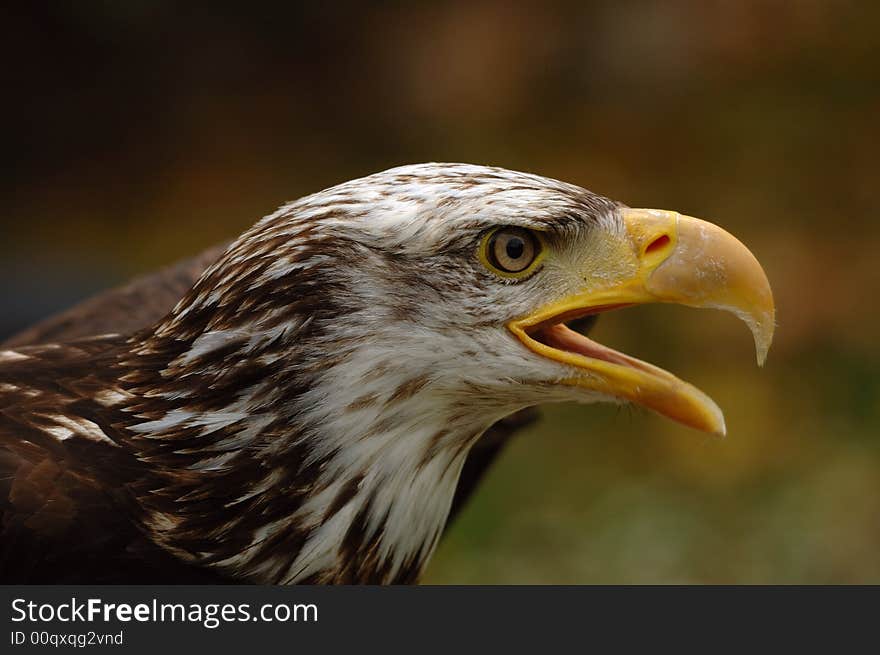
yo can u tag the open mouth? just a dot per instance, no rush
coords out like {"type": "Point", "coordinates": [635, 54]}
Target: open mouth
{"type": "Point", "coordinates": [565, 333]}
{"type": "Point", "coordinates": [614, 374]}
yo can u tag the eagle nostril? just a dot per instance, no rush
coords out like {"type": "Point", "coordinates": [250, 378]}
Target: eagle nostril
{"type": "Point", "coordinates": [657, 244]}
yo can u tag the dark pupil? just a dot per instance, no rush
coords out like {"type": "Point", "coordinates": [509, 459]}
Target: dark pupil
{"type": "Point", "coordinates": [515, 247]}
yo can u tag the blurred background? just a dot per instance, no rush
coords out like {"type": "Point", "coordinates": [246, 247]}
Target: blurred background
{"type": "Point", "coordinates": [138, 133]}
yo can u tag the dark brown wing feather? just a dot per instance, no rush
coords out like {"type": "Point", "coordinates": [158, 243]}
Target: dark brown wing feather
{"type": "Point", "coordinates": [60, 525]}
{"type": "Point", "coordinates": [63, 493]}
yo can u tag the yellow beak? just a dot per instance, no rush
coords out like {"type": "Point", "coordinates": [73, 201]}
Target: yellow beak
{"type": "Point", "coordinates": [661, 256]}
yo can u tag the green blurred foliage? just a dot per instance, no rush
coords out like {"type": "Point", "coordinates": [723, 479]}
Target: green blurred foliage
{"type": "Point", "coordinates": [142, 132]}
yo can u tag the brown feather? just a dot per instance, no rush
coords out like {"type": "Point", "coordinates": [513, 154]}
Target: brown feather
{"type": "Point", "coordinates": [59, 524]}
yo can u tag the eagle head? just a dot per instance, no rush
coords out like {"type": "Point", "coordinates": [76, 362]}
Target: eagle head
{"type": "Point", "coordinates": [324, 380]}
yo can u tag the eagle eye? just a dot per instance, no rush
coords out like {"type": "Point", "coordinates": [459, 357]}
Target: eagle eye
{"type": "Point", "coordinates": [511, 251]}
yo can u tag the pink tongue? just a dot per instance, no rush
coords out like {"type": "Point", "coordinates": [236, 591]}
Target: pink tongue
{"type": "Point", "coordinates": [561, 337]}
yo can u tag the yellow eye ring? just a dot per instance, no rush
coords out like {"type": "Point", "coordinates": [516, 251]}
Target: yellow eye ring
{"type": "Point", "coordinates": [512, 252]}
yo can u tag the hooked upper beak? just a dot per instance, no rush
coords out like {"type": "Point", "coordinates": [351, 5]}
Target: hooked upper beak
{"type": "Point", "coordinates": [660, 256]}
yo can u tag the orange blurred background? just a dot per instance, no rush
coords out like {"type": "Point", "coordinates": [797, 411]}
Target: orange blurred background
{"type": "Point", "coordinates": [138, 133]}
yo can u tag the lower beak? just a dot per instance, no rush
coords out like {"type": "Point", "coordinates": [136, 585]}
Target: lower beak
{"type": "Point", "coordinates": [666, 257]}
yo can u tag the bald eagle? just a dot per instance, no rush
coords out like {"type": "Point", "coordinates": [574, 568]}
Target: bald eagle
{"type": "Point", "coordinates": [305, 410]}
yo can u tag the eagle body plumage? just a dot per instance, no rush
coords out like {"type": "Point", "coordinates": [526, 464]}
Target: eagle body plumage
{"type": "Point", "coordinates": [305, 411]}
{"type": "Point", "coordinates": [69, 478]}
